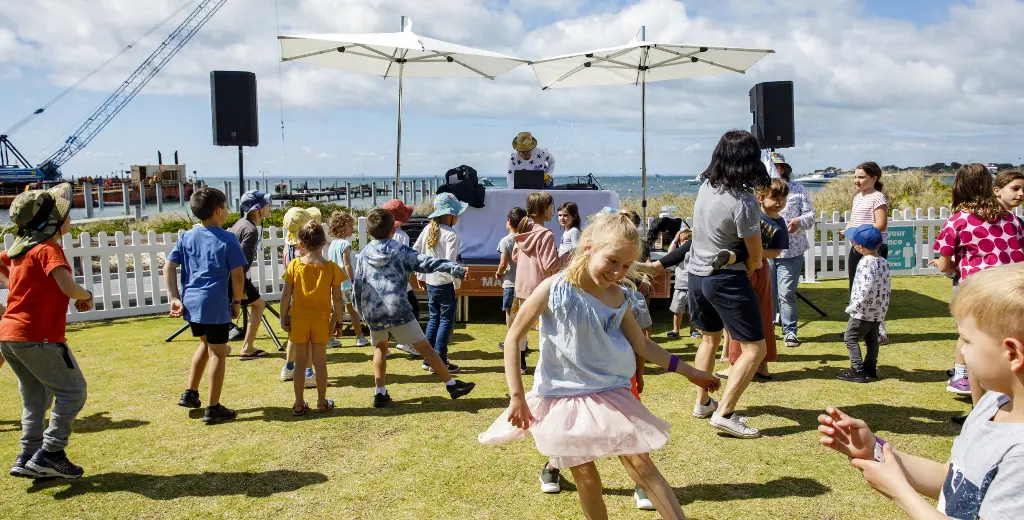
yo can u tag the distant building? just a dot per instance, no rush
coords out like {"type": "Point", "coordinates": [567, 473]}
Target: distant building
{"type": "Point", "coordinates": [159, 172]}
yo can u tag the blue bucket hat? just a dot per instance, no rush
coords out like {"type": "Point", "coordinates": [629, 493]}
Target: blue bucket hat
{"type": "Point", "coordinates": [447, 204]}
{"type": "Point", "coordinates": [867, 236]}
{"type": "Point", "coordinates": [252, 200]}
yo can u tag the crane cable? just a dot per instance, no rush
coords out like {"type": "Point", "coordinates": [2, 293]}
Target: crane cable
{"type": "Point", "coordinates": [27, 119]}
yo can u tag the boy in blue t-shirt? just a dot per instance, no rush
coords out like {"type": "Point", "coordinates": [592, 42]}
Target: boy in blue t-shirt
{"type": "Point", "coordinates": [212, 261]}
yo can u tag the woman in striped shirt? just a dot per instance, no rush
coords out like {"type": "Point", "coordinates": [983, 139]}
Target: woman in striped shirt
{"type": "Point", "coordinates": [869, 207]}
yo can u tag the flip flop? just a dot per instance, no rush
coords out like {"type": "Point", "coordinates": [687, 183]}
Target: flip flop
{"type": "Point", "coordinates": [721, 375]}
{"type": "Point", "coordinates": [330, 406]}
{"type": "Point", "coordinates": [253, 355]}
{"type": "Point", "coordinates": [672, 335]}
{"type": "Point", "coordinates": [305, 408]}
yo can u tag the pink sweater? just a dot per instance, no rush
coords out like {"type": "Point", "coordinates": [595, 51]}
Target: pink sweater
{"type": "Point", "coordinates": [536, 258]}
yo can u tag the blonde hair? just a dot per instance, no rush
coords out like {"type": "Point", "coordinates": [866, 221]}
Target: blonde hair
{"type": "Point", "coordinates": [606, 230]}
{"type": "Point", "coordinates": [777, 189]}
{"type": "Point", "coordinates": [994, 297]}
{"type": "Point", "coordinates": [433, 232]}
{"type": "Point", "coordinates": [537, 204]}
{"type": "Point", "coordinates": [339, 222]}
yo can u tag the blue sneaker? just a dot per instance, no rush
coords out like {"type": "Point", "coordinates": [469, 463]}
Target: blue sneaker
{"type": "Point", "coordinates": [19, 469]}
{"type": "Point", "coordinates": [54, 464]}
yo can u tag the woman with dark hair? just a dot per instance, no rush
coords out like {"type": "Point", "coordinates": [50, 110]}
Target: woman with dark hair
{"type": "Point", "coordinates": [869, 207]}
{"type": "Point", "coordinates": [727, 217]}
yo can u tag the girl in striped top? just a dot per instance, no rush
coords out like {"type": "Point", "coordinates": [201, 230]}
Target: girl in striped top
{"type": "Point", "coordinates": [869, 207]}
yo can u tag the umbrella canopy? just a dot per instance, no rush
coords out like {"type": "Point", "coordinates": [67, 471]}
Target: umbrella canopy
{"type": "Point", "coordinates": [397, 54]}
{"type": "Point", "coordinates": [639, 62]}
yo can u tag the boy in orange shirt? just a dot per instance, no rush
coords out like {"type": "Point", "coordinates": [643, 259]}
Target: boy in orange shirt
{"type": "Point", "coordinates": [32, 331]}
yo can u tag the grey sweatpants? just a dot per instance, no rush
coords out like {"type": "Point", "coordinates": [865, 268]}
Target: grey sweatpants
{"type": "Point", "coordinates": [46, 372]}
{"type": "Point", "coordinates": [857, 330]}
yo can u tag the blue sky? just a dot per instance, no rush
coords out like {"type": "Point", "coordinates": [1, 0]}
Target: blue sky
{"type": "Point", "coordinates": [909, 82]}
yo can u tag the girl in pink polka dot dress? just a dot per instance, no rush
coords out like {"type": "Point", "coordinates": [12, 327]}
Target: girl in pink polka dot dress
{"type": "Point", "coordinates": [979, 234]}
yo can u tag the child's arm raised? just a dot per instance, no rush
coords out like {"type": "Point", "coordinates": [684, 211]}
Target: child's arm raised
{"type": "Point", "coordinates": [531, 309]}
{"type": "Point", "coordinates": [171, 282]}
{"type": "Point", "coordinates": [651, 351]}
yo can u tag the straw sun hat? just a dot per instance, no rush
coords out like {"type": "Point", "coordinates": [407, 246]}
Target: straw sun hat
{"type": "Point", "coordinates": [524, 142]}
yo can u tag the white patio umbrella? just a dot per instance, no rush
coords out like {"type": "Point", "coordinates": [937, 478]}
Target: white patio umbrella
{"type": "Point", "coordinates": [398, 54]}
{"type": "Point", "coordinates": [640, 62]}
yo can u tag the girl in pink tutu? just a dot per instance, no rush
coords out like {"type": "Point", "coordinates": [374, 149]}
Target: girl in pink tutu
{"type": "Point", "coordinates": [581, 408]}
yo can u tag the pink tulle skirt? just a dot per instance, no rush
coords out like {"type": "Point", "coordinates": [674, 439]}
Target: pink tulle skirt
{"type": "Point", "coordinates": [576, 430]}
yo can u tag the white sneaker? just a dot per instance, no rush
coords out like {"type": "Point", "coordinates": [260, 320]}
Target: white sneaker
{"type": "Point", "coordinates": [704, 411]}
{"type": "Point", "coordinates": [735, 426]}
{"type": "Point", "coordinates": [642, 502]}
{"type": "Point", "coordinates": [286, 374]}
{"type": "Point", "coordinates": [333, 343]}
{"type": "Point", "coordinates": [310, 382]}
{"type": "Point", "coordinates": [408, 349]}
{"type": "Point", "coordinates": [361, 341]}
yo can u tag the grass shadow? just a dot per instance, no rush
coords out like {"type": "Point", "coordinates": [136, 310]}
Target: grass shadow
{"type": "Point", "coordinates": [897, 419]}
{"type": "Point", "coordinates": [170, 487]}
{"type": "Point", "coordinates": [779, 488]}
{"type": "Point", "coordinates": [886, 371]}
{"type": "Point", "coordinates": [99, 422]}
{"type": "Point", "coordinates": [906, 304]}
{"type": "Point", "coordinates": [397, 407]}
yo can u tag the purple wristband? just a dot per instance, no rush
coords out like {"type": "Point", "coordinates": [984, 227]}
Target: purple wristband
{"type": "Point", "coordinates": [673, 363]}
{"type": "Point", "coordinates": [879, 442]}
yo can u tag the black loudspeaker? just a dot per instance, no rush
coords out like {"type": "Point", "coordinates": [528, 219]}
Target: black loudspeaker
{"type": "Point", "coordinates": [233, 104]}
{"type": "Point", "coordinates": [772, 105]}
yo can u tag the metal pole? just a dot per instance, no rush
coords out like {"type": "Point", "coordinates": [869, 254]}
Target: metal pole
{"type": "Point", "coordinates": [159, 197]}
{"type": "Point", "coordinates": [394, 189]}
{"type": "Point", "coordinates": [87, 198]}
{"type": "Point", "coordinates": [142, 194]}
{"type": "Point", "coordinates": [126, 198]}
{"type": "Point", "coordinates": [319, 185]}
{"type": "Point", "coordinates": [99, 196]}
{"type": "Point", "coordinates": [241, 175]}
{"type": "Point", "coordinates": [373, 193]}
{"type": "Point", "coordinates": [181, 193]}
{"type": "Point", "coordinates": [348, 194]}
{"type": "Point", "coordinates": [643, 144]}
{"type": "Point", "coordinates": [398, 152]}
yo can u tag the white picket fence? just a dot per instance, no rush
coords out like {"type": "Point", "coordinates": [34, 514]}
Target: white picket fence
{"type": "Point", "coordinates": [125, 280]}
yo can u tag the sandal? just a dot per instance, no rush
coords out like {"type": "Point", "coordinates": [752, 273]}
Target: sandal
{"type": "Point", "coordinates": [721, 374]}
{"type": "Point", "coordinates": [761, 377]}
{"type": "Point", "coordinates": [672, 334]}
{"type": "Point", "coordinates": [329, 407]}
{"type": "Point", "coordinates": [253, 355]}
{"type": "Point", "coordinates": [300, 411]}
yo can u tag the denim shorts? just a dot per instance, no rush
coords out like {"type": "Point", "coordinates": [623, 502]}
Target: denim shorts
{"type": "Point", "coordinates": [726, 299]}
{"type": "Point", "coordinates": [508, 298]}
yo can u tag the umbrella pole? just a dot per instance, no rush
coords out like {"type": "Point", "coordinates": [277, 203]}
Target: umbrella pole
{"type": "Point", "coordinates": [643, 148]}
{"type": "Point", "coordinates": [398, 152]}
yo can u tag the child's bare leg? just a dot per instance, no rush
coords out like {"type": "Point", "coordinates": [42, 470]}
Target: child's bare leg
{"type": "Point", "coordinates": [255, 317]}
{"type": "Point", "coordinates": [218, 360]}
{"type": "Point", "coordinates": [319, 360]}
{"type": "Point", "coordinates": [380, 363]}
{"type": "Point", "coordinates": [431, 359]}
{"type": "Point", "coordinates": [725, 346]}
{"type": "Point", "coordinates": [199, 359]}
{"type": "Point", "coordinates": [508, 318]}
{"type": "Point", "coordinates": [643, 471]}
{"type": "Point", "coordinates": [676, 321]}
{"type": "Point", "coordinates": [301, 353]}
{"type": "Point", "coordinates": [588, 486]}
{"type": "Point", "coordinates": [356, 326]}
{"type": "Point", "coordinates": [289, 353]}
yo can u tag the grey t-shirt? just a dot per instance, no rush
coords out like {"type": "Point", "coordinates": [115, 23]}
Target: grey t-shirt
{"type": "Point", "coordinates": [986, 468]}
{"type": "Point", "coordinates": [721, 220]}
{"type": "Point", "coordinates": [505, 246]}
{"type": "Point", "coordinates": [248, 236]}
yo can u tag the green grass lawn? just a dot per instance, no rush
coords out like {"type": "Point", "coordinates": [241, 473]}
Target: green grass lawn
{"type": "Point", "coordinates": [145, 457]}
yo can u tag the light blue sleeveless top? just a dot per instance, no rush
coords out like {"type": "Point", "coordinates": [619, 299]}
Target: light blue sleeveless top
{"type": "Point", "coordinates": [582, 347]}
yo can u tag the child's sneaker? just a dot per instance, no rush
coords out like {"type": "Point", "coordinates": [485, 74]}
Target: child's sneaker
{"type": "Point", "coordinates": [20, 470]}
{"type": "Point", "coordinates": [54, 464]}
{"type": "Point", "coordinates": [853, 376]}
{"type": "Point", "coordinates": [190, 399]}
{"type": "Point", "coordinates": [217, 414]}
{"type": "Point", "coordinates": [703, 411]}
{"type": "Point", "coordinates": [672, 334]}
{"type": "Point", "coordinates": [426, 367]}
{"type": "Point", "coordinates": [361, 341]}
{"type": "Point", "coordinates": [287, 374]}
{"type": "Point", "coordinates": [872, 373]}
{"type": "Point", "coordinates": [791, 340]}
{"type": "Point", "coordinates": [642, 502]}
{"type": "Point", "coordinates": [549, 479]}
{"type": "Point", "coordinates": [460, 388]}
{"type": "Point", "coordinates": [959, 386]}
{"type": "Point", "coordinates": [454, 368]}
{"type": "Point", "coordinates": [696, 334]}
{"type": "Point", "coordinates": [381, 400]}
{"type": "Point", "coordinates": [333, 343]}
{"type": "Point", "coordinates": [501, 345]}
{"type": "Point", "coordinates": [735, 426]}
{"type": "Point", "coordinates": [408, 349]}
{"type": "Point", "coordinates": [310, 380]}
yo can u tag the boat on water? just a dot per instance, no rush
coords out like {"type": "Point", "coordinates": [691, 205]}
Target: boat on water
{"type": "Point", "coordinates": [817, 179]}
{"type": "Point", "coordinates": [487, 183]}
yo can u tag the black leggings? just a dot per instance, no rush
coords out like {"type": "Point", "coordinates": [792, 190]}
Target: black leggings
{"type": "Point", "coordinates": [854, 258]}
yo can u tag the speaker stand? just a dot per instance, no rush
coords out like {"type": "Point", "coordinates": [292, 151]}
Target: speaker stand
{"type": "Point", "coordinates": [241, 174]}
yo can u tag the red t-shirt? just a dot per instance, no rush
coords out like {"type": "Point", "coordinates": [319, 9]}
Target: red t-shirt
{"type": "Point", "coordinates": [36, 307]}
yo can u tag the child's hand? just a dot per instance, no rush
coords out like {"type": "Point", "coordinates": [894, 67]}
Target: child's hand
{"type": "Point", "coordinates": [465, 272]}
{"type": "Point", "coordinates": [847, 435]}
{"type": "Point", "coordinates": [84, 305]}
{"type": "Point", "coordinates": [497, 274]}
{"type": "Point", "coordinates": [286, 323]}
{"type": "Point", "coordinates": [519, 414]}
{"type": "Point", "coordinates": [236, 310]}
{"type": "Point", "coordinates": [639, 383]}
{"type": "Point", "coordinates": [886, 477]}
{"type": "Point", "coordinates": [705, 380]}
{"type": "Point", "coordinates": [751, 267]}
{"type": "Point", "coordinates": [176, 308]}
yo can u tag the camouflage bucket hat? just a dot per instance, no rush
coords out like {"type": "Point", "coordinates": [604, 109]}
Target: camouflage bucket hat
{"type": "Point", "coordinates": [38, 215]}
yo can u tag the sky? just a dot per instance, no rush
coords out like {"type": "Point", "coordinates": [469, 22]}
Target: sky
{"type": "Point", "coordinates": [912, 82]}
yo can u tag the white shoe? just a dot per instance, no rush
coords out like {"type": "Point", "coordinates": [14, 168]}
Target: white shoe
{"type": "Point", "coordinates": [361, 341]}
{"type": "Point", "coordinates": [333, 343]}
{"type": "Point", "coordinates": [310, 380]}
{"type": "Point", "coordinates": [229, 351]}
{"type": "Point", "coordinates": [642, 502]}
{"type": "Point", "coordinates": [408, 349]}
{"type": "Point", "coordinates": [701, 411]}
{"type": "Point", "coordinates": [735, 426]}
{"type": "Point", "coordinates": [286, 374]}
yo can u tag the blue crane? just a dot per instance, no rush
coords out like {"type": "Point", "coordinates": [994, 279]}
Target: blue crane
{"type": "Point", "coordinates": [15, 169]}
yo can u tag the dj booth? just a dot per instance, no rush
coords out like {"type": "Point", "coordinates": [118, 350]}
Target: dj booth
{"type": "Point", "coordinates": [480, 230]}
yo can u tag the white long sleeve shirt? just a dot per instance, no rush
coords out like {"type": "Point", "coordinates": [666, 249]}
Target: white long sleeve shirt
{"type": "Point", "coordinates": [540, 160]}
{"type": "Point", "coordinates": [447, 247]}
{"type": "Point", "coordinates": [869, 297]}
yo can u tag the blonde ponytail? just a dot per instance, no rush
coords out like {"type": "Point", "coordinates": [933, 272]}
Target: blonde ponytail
{"type": "Point", "coordinates": [433, 232]}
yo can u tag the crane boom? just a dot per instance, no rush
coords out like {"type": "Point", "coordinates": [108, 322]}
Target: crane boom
{"type": "Point", "coordinates": [156, 61]}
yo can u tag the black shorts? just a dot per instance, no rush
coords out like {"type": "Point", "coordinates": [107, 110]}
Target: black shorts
{"type": "Point", "coordinates": [726, 299]}
{"type": "Point", "coordinates": [251, 292]}
{"type": "Point", "coordinates": [215, 334]}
